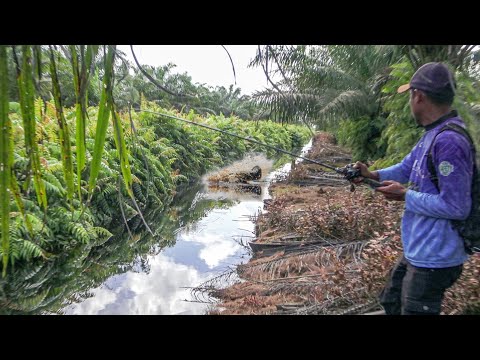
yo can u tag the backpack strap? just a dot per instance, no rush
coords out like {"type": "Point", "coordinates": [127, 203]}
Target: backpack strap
{"type": "Point", "coordinates": [430, 164]}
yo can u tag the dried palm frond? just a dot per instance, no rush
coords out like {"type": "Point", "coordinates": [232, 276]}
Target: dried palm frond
{"type": "Point", "coordinates": [206, 291]}
{"type": "Point", "coordinates": [324, 256]}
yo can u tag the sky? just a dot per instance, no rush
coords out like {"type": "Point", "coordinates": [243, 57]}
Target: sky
{"type": "Point", "coordinates": [206, 64]}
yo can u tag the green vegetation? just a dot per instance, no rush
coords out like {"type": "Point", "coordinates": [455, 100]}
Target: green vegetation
{"type": "Point", "coordinates": [125, 161]}
{"type": "Point", "coordinates": [351, 91]}
{"type": "Point", "coordinates": [68, 246]}
{"type": "Point", "coordinates": [76, 150]}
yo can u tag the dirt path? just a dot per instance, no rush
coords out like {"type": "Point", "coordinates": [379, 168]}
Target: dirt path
{"type": "Point", "coordinates": [322, 249]}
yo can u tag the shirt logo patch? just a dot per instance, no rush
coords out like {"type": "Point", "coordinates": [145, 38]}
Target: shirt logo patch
{"type": "Point", "coordinates": [445, 168]}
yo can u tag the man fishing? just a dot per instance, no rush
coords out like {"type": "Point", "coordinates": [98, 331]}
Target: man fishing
{"type": "Point", "coordinates": [433, 251]}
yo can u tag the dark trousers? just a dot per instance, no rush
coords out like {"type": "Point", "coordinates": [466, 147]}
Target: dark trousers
{"type": "Point", "coordinates": [412, 290]}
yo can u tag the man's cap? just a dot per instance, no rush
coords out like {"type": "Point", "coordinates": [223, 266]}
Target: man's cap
{"type": "Point", "coordinates": [434, 78]}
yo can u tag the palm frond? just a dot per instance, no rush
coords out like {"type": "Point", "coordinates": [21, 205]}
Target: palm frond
{"type": "Point", "coordinates": [102, 122]}
{"type": "Point", "coordinates": [27, 102]}
{"type": "Point", "coordinates": [351, 102]}
{"type": "Point", "coordinates": [6, 158]}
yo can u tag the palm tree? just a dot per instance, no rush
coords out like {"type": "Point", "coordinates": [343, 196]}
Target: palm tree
{"type": "Point", "coordinates": [458, 56]}
{"type": "Point", "coordinates": [325, 83]}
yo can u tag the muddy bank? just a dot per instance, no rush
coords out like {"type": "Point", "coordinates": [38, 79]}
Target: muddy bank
{"type": "Point", "coordinates": [322, 249]}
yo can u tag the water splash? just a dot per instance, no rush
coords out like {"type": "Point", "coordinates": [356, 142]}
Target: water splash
{"type": "Point", "coordinates": [245, 164]}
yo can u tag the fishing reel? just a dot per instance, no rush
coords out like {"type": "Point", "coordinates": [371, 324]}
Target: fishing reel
{"type": "Point", "coordinates": [350, 173]}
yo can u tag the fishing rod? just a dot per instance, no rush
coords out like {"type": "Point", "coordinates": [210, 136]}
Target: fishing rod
{"type": "Point", "coordinates": [348, 171]}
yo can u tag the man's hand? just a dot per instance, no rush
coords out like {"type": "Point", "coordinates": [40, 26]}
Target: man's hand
{"type": "Point", "coordinates": [364, 172]}
{"type": "Point", "coordinates": [392, 190]}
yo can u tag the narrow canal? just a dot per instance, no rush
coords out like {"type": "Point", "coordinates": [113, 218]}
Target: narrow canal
{"type": "Point", "coordinates": [202, 233]}
{"type": "Point", "coordinates": [162, 283]}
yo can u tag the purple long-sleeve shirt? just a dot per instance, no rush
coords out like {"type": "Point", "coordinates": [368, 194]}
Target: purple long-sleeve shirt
{"type": "Point", "coordinates": [429, 239]}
